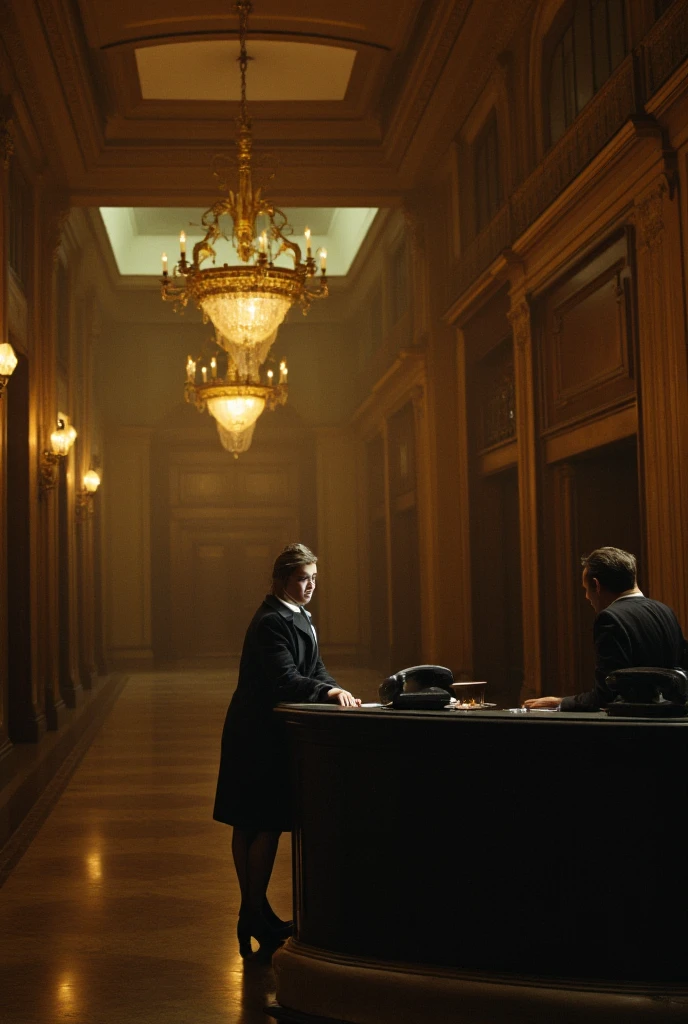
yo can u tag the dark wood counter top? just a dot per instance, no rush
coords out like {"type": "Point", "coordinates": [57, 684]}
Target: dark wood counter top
{"type": "Point", "coordinates": [549, 844]}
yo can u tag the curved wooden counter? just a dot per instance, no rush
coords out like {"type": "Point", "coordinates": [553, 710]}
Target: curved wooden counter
{"type": "Point", "coordinates": [486, 866]}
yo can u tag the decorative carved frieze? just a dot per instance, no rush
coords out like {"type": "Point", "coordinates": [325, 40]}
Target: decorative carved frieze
{"type": "Point", "coordinates": [6, 140]}
{"type": "Point", "coordinates": [666, 46]}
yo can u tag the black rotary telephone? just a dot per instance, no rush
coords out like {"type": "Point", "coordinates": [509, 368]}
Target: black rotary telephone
{"type": "Point", "coordinates": [421, 688]}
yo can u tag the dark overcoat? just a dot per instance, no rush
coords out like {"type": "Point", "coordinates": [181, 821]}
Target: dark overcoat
{"type": "Point", "coordinates": [279, 662]}
{"type": "Point", "coordinates": [632, 632]}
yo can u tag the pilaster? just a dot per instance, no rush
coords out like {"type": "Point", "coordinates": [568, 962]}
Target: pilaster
{"type": "Point", "coordinates": [128, 610]}
{"type": "Point", "coordinates": [663, 394]}
{"type": "Point", "coordinates": [567, 568]}
{"type": "Point", "coordinates": [338, 544]}
{"type": "Point", "coordinates": [525, 396]}
{"type": "Point", "coordinates": [463, 621]}
{"type": "Point", "coordinates": [6, 151]}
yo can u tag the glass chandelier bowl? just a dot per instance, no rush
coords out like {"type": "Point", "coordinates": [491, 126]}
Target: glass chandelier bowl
{"type": "Point", "coordinates": [236, 441]}
{"type": "Point", "coordinates": [235, 400]}
{"type": "Point", "coordinates": [247, 302]}
{"type": "Point", "coordinates": [236, 412]}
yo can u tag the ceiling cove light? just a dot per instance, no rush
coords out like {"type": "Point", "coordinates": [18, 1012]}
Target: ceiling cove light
{"type": "Point", "coordinates": [247, 302]}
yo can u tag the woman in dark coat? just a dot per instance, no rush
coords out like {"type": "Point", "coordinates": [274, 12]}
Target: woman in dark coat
{"type": "Point", "coordinates": [279, 662]}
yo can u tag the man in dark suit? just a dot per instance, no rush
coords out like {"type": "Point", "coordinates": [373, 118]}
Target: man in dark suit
{"type": "Point", "coordinates": [630, 630]}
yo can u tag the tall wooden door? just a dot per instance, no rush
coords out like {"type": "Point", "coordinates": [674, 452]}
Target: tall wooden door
{"type": "Point", "coordinates": [227, 522]}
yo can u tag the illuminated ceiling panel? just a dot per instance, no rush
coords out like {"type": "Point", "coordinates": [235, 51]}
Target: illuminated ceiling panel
{"type": "Point", "coordinates": [138, 235]}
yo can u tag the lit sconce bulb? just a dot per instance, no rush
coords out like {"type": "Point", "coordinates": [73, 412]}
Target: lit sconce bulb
{"type": "Point", "coordinates": [307, 233]}
{"type": "Point", "coordinates": [213, 367]}
{"type": "Point", "coordinates": [164, 264]}
{"type": "Point", "coordinates": [204, 374]}
{"type": "Point", "coordinates": [190, 369]}
{"type": "Point", "coordinates": [91, 481]}
{"type": "Point", "coordinates": [62, 439]}
{"type": "Point", "coordinates": [182, 242]}
{"type": "Point", "coordinates": [323, 260]}
{"type": "Point", "coordinates": [8, 363]}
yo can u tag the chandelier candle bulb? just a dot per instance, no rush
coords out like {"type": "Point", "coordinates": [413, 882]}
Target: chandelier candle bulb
{"type": "Point", "coordinates": [204, 374]}
{"type": "Point", "coordinates": [213, 367]}
{"type": "Point", "coordinates": [271, 377]}
{"type": "Point", "coordinates": [164, 264]}
{"type": "Point", "coordinates": [182, 243]}
{"type": "Point", "coordinates": [263, 242]}
{"type": "Point", "coordinates": [308, 241]}
{"type": "Point", "coordinates": [190, 369]}
{"type": "Point", "coordinates": [323, 260]}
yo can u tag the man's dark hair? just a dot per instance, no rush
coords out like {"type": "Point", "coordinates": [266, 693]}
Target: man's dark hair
{"type": "Point", "coordinates": [615, 569]}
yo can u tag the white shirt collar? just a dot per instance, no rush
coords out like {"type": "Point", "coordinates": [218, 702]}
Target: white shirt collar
{"type": "Point", "coordinates": [293, 607]}
{"type": "Point", "coordinates": [624, 597]}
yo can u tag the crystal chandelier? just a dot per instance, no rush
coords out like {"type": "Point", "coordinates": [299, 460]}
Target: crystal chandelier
{"type": "Point", "coordinates": [246, 302]}
{"type": "Point", "coordinates": [235, 400]}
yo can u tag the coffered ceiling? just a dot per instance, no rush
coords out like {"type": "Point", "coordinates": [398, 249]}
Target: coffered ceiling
{"type": "Point", "coordinates": [135, 97]}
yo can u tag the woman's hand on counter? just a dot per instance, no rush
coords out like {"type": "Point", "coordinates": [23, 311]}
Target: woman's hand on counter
{"type": "Point", "coordinates": [343, 697]}
{"type": "Point", "coordinates": [542, 702]}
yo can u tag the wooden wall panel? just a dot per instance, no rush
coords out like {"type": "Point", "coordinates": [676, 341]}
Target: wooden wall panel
{"type": "Point", "coordinates": [587, 338]}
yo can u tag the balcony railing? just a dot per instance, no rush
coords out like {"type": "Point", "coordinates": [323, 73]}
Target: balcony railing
{"type": "Point", "coordinates": [624, 95]}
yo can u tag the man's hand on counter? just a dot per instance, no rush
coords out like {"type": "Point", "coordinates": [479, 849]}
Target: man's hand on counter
{"type": "Point", "coordinates": [548, 703]}
{"type": "Point", "coordinates": [343, 697]}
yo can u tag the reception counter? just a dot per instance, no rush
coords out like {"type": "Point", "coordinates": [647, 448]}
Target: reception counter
{"type": "Point", "coordinates": [486, 866]}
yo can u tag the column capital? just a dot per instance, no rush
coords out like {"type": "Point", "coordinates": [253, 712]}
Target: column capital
{"type": "Point", "coordinates": [650, 213]}
{"type": "Point", "coordinates": [519, 318]}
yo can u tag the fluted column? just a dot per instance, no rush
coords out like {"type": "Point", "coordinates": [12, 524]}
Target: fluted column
{"type": "Point", "coordinates": [426, 530]}
{"type": "Point", "coordinates": [524, 383]}
{"type": "Point", "coordinates": [52, 212]}
{"type": "Point", "coordinates": [567, 570]}
{"type": "Point", "coordinates": [6, 150]}
{"type": "Point", "coordinates": [663, 394]}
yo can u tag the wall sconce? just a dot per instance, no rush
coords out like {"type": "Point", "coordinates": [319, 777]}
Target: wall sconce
{"type": "Point", "coordinates": [86, 497]}
{"type": "Point", "coordinates": [61, 441]}
{"type": "Point", "coordinates": [8, 364]}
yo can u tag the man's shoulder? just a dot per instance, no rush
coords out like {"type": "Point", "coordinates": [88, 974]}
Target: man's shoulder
{"type": "Point", "coordinates": [632, 607]}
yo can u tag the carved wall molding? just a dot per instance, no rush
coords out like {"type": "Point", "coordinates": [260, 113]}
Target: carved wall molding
{"type": "Point", "coordinates": [74, 78]}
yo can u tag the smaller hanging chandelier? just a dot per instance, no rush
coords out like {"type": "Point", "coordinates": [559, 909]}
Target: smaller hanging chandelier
{"type": "Point", "coordinates": [234, 400]}
{"type": "Point", "coordinates": [247, 302]}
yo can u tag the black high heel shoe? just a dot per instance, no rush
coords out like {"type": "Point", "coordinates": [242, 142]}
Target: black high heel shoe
{"type": "Point", "coordinates": [283, 928]}
{"type": "Point", "coordinates": [251, 925]}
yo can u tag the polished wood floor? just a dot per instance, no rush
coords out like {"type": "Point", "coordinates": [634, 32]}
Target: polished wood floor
{"type": "Point", "coordinates": [123, 908]}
